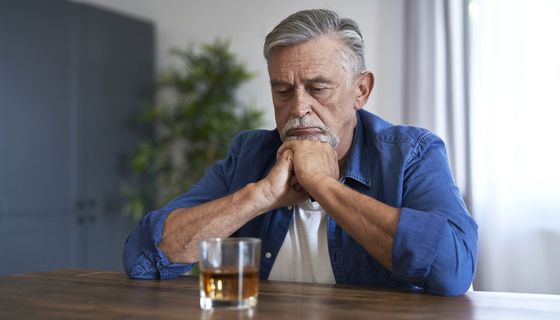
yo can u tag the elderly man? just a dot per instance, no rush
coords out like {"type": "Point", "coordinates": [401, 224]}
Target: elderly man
{"type": "Point", "coordinates": [336, 194]}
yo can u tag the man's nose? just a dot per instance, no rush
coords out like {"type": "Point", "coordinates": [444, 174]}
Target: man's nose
{"type": "Point", "coordinates": [301, 104]}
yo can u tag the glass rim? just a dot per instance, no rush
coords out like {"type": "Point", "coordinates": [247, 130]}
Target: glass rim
{"type": "Point", "coordinates": [214, 240]}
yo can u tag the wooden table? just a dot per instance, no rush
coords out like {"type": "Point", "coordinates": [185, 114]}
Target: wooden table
{"type": "Point", "coordinates": [93, 294]}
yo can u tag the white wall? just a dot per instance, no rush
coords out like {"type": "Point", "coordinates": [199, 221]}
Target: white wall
{"type": "Point", "coordinates": [246, 23]}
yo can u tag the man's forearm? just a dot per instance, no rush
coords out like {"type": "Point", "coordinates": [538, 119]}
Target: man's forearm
{"type": "Point", "coordinates": [370, 222]}
{"type": "Point", "coordinates": [185, 227]}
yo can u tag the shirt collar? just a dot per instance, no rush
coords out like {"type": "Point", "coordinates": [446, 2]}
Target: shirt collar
{"type": "Point", "coordinates": [358, 163]}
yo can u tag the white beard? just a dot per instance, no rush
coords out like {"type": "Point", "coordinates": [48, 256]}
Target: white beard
{"type": "Point", "coordinates": [305, 122]}
{"type": "Point", "coordinates": [328, 138]}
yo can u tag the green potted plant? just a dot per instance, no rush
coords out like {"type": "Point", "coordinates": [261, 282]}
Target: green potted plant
{"type": "Point", "coordinates": [192, 128]}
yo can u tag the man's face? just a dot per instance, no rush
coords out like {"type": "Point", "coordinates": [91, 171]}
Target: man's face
{"type": "Point", "coordinates": [314, 97]}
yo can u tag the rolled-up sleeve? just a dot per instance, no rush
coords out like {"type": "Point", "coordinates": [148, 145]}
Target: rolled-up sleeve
{"type": "Point", "coordinates": [142, 257]}
{"type": "Point", "coordinates": [435, 245]}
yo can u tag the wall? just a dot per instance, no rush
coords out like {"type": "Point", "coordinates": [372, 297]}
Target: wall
{"type": "Point", "coordinates": [246, 23]}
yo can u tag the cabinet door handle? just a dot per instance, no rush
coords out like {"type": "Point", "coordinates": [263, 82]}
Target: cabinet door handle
{"type": "Point", "coordinates": [80, 220]}
{"type": "Point", "coordinates": [80, 204]}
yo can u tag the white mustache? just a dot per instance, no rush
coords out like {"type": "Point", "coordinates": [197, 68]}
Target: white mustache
{"type": "Point", "coordinates": [324, 135]}
{"type": "Point", "coordinates": [303, 122]}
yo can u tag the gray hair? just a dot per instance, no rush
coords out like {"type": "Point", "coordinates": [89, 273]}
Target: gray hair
{"type": "Point", "coordinates": [308, 25]}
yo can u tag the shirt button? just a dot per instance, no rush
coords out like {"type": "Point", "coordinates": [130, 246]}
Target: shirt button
{"type": "Point", "coordinates": [268, 255]}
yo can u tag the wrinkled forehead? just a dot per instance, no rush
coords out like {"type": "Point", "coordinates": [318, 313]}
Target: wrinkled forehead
{"type": "Point", "coordinates": [320, 57]}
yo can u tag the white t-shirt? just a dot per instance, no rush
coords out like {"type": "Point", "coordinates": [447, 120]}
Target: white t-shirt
{"type": "Point", "coordinates": [304, 255]}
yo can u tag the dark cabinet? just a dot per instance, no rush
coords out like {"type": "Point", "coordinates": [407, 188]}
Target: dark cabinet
{"type": "Point", "coordinates": [71, 78]}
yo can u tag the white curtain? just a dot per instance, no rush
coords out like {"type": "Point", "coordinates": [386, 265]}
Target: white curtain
{"type": "Point", "coordinates": [495, 100]}
{"type": "Point", "coordinates": [436, 78]}
{"type": "Point", "coordinates": [516, 143]}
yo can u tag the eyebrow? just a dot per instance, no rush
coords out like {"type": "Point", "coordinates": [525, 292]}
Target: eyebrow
{"type": "Point", "coordinates": [314, 80]}
{"type": "Point", "coordinates": [278, 83]}
{"type": "Point", "coordinates": [318, 79]}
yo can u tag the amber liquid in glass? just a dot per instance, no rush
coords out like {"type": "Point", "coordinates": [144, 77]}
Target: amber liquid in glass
{"type": "Point", "coordinates": [229, 284]}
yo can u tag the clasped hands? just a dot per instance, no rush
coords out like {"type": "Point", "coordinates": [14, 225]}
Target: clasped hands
{"type": "Point", "coordinates": [302, 167]}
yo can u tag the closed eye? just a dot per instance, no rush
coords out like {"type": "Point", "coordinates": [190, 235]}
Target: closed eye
{"type": "Point", "coordinates": [283, 92]}
{"type": "Point", "coordinates": [318, 90]}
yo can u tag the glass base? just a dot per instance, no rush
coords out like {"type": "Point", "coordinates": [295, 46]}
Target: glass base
{"type": "Point", "coordinates": [209, 304]}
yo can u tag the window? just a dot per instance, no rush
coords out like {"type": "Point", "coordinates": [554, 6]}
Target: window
{"type": "Point", "coordinates": [515, 135]}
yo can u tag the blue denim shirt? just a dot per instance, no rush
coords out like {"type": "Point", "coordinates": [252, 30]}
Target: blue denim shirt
{"type": "Point", "coordinates": [435, 245]}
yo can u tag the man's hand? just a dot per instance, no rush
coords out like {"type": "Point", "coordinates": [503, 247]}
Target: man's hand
{"type": "Point", "coordinates": [313, 161]}
{"type": "Point", "coordinates": [280, 186]}
{"type": "Point", "coordinates": [371, 223]}
{"type": "Point", "coordinates": [184, 227]}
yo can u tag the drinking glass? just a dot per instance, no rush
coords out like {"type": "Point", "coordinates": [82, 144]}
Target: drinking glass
{"type": "Point", "coordinates": [229, 273]}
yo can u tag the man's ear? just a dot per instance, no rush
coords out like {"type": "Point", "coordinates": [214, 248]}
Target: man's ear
{"type": "Point", "coordinates": [364, 87]}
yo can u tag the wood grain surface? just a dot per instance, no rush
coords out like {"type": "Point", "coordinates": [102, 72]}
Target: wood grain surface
{"type": "Point", "coordinates": [94, 294]}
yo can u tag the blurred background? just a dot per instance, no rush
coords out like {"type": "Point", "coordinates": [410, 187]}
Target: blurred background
{"type": "Point", "coordinates": [75, 77]}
